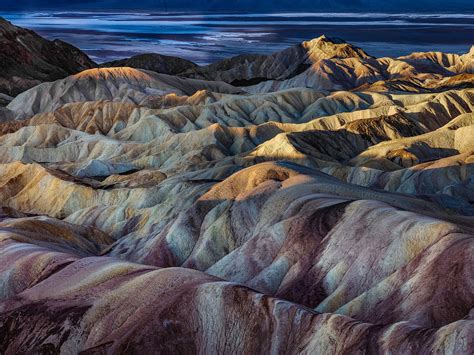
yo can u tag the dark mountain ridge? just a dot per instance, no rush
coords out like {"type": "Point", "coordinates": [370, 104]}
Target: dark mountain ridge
{"type": "Point", "coordinates": [27, 59]}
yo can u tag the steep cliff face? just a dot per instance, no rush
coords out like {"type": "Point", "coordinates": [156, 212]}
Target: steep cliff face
{"type": "Point", "coordinates": [328, 211]}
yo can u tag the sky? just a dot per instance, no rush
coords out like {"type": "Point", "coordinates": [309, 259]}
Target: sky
{"type": "Point", "coordinates": [244, 5]}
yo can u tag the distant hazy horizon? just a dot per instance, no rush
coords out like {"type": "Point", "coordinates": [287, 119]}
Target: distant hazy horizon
{"type": "Point", "coordinates": [207, 37]}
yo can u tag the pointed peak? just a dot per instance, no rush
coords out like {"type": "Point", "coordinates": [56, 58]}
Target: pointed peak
{"type": "Point", "coordinates": [325, 39]}
{"type": "Point", "coordinates": [324, 47]}
{"type": "Point", "coordinates": [334, 40]}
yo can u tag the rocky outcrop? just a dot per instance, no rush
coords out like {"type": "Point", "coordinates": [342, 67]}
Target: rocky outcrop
{"type": "Point", "coordinates": [420, 72]}
{"type": "Point", "coordinates": [245, 70]}
{"type": "Point", "coordinates": [26, 59]}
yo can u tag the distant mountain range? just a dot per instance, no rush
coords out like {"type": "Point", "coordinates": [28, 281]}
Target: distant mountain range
{"type": "Point", "coordinates": [246, 5]}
